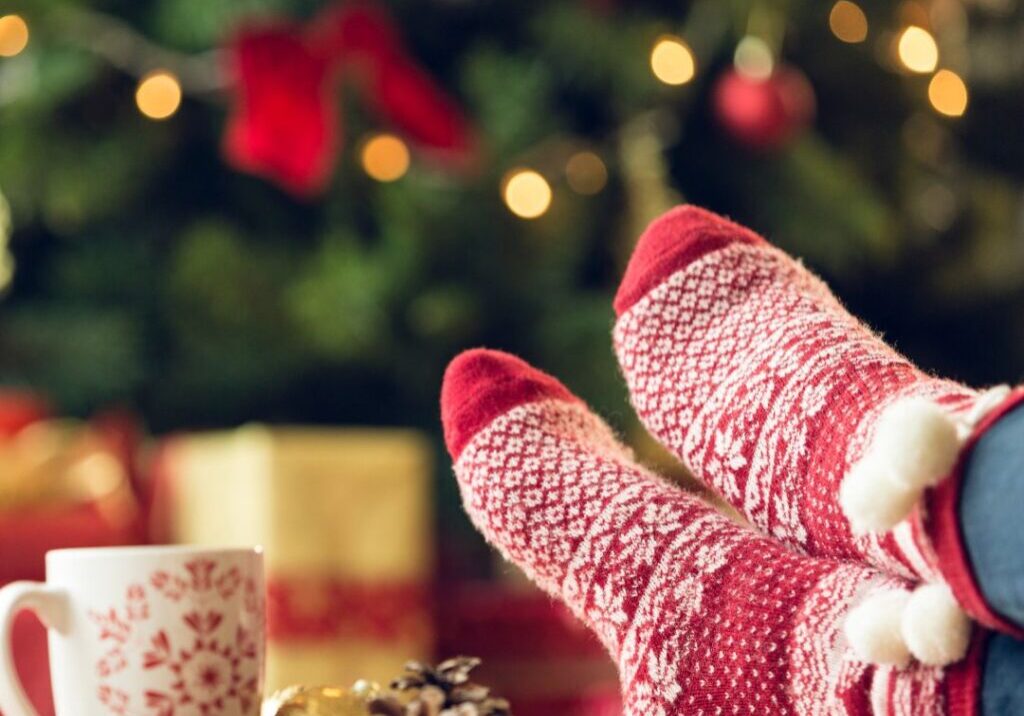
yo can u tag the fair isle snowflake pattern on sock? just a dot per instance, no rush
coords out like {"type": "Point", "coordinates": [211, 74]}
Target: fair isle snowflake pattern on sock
{"type": "Point", "coordinates": [702, 616]}
{"type": "Point", "coordinates": [745, 366]}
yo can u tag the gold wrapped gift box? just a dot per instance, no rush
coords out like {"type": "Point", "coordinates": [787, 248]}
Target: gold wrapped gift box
{"type": "Point", "coordinates": [344, 517]}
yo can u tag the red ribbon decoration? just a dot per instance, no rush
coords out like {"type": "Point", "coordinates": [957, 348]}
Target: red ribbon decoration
{"type": "Point", "coordinates": [285, 126]}
{"type": "Point", "coordinates": [329, 608]}
{"type": "Point", "coordinates": [363, 38]}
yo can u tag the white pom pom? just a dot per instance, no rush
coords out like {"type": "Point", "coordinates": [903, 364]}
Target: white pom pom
{"type": "Point", "coordinates": [918, 440]}
{"type": "Point", "coordinates": [872, 628]}
{"type": "Point", "coordinates": [871, 500]}
{"type": "Point", "coordinates": [934, 626]}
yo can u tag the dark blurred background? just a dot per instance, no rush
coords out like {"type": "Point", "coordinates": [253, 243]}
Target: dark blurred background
{"type": "Point", "coordinates": [149, 272]}
{"type": "Point", "coordinates": [345, 195]}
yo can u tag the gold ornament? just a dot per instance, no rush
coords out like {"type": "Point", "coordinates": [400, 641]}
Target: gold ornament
{"type": "Point", "coordinates": [321, 700]}
{"type": "Point", "coordinates": [423, 690]}
{"type": "Point", "coordinates": [442, 690]}
{"type": "Point", "coordinates": [366, 689]}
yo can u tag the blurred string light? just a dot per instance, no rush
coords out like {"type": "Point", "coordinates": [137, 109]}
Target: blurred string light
{"type": "Point", "coordinates": [753, 58]}
{"type": "Point", "coordinates": [158, 95]}
{"type": "Point", "coordinates": [13, 35]}
{"type": "Point", "coordinates": [917, 50]}
{"type": "Point", "coordinates": [672, 60]}
{"type": "Point", "coordinates": [385, 157]}
{"type": "Point", "coordinates": [526, 193]}
{"type": "Point", "coordinates": [586, 173]}
{"type": "Point", "coordinates": [848, 22]}
{"type": "Point", "coordinates": [948, 93]}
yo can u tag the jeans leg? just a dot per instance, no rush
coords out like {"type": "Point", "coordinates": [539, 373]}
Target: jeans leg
{"type": "Point", "coordinates": [1002, 686]}
{"type": "Point", "coordinates": [992, 515]}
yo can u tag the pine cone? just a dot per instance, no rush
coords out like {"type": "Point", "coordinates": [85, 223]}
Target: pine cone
{"type": "Point", "coordinates": [443, 690]}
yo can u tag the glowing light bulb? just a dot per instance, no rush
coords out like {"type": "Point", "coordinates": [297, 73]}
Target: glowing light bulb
{"type": "Point", "coordinates": [158, 95]}
{"type": "Point", "coordinates": [13, 35]}
{"type": "Point", "coordinates": [586, 173]}
{"type": "Point", "coordinates": [527, 194]}
{"type": "Point", "coordinates": [917, 50]}
{"type": "Point", "coordinates": [948, 93]}
{"type": "Point", "coordinates": [848, 22]}
{"type": "Point", "coordinates": [385, 157]}
{"type": "Point", "coordinates": [753, 58]}
{"type": "Point", "coordinates": [672, 60]}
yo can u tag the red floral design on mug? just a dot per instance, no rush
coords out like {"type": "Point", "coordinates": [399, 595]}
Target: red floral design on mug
{"type": "Point", "coordinates": [176, 627]}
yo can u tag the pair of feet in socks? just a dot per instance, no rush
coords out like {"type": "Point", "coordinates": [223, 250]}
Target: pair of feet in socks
{"type": "Point", "coordinates": [852, 594]}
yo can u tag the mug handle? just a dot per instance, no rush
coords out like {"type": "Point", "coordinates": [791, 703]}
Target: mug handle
{"type": "Point", "coordinates": [50, 605]}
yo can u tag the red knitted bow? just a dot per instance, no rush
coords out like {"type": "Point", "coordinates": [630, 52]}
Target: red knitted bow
{"type": "Point", "coordinates": [285, 126]}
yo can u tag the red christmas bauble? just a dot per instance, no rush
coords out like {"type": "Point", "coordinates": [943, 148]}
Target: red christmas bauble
{"type": "Point", "coordinates": [763, 114]}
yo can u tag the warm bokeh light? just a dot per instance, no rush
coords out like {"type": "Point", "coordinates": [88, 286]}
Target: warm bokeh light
{"type": "Point", "coordinates": [848, 22]}
{"type": "Point", "coordinates": [586, 173]}
{"type": "Point", "coordinates": [948, 93]}
{"type": "Point", "coordinates": [527, 193]}
{"type": "Point", "coordinates": [917, 50]}
{"type": "Point", "coordinates": [385, 157]}
{"type": "Point", "coordinates": [672, 61]}
{"type": "Point", "coordinates": [158, 95]}
{"type": "Point", "coordinates": [13, 35]}
{"type": "Point", "coordinates": [753, 58]}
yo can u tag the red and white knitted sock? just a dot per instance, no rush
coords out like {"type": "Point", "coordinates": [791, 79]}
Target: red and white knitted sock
{"type": "Point", "coordinates": [744, 365]}
{"type": "Point", "coordinates": [701, 615]}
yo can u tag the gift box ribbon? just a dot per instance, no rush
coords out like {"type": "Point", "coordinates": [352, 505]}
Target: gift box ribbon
{"type": "Point", "coordinates": [327, 608]}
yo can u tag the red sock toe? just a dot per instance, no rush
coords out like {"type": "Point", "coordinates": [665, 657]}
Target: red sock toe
{"type": "Point", "coordinates": [673, 240]}
{"type": "Point", "coordinates": [481, 384]}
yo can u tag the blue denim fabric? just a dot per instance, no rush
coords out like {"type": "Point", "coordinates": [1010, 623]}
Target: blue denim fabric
{"type": "Point", "coordinates": [992, 515]}
{"type": "Point", "coordinates": [1002, 688]}
{"type": "Point", "coordinates": [992, 524]}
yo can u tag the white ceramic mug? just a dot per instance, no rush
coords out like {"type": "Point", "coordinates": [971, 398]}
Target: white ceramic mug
{"type": "Point", "coordinates": [144, 631]}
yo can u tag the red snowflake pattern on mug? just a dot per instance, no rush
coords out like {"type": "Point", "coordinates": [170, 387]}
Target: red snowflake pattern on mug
{"type": "Point", "coordinates": [209, 664]}
{"type": "Point", "coordinates": [114, 699]}
{"type": "Point", "coordinates": [208, 674]}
